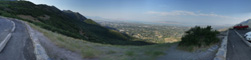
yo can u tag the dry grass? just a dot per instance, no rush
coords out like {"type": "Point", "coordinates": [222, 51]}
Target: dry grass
{"type": "Point", "coordinates": [105, 51]}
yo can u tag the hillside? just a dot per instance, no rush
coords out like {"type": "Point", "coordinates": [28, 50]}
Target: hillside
{"type": "Point", "coordinates": [247, 22]}
{"type": "Point", "coordinates": [65, 22]}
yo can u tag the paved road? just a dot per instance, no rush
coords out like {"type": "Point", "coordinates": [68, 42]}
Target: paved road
{"type": "Point", "coordinates": [19, 46]}
{"type": "Point", "coordinates": [5, 27]}
{"type": "Point", "coordinates": [237, 49]}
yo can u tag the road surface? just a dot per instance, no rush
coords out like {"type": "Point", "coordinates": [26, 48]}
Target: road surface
{"type": "Point", "coordinates": [5, 27]}
{"type": "Point", "coordinates": [237, 49]}
{"type": "Point", "coordinates": [19, 47]}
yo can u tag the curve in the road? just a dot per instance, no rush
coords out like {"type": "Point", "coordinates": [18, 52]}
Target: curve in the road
{"type": "Point", "coordinates": [8, 36]}
{"type": "Point", "coordinates": [19, 47]}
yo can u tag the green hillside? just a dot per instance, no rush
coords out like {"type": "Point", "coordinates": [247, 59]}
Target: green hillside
{"type": "Point", "coordinates": [65, 22]}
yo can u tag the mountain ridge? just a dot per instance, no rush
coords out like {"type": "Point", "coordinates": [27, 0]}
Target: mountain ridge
{"type": "Point", "coordinates": [247, 22]}
{"type": "Point", "coordinates": [65, 22]}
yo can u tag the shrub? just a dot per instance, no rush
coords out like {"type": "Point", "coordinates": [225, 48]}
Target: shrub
{"type": "Point", "coordinates": [199, 37]}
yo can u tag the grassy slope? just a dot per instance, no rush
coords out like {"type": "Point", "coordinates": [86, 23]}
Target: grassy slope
{"type": "Point", "coordinates": [104, 51]}
{"type": "Point", "coordinates": [64, 24]}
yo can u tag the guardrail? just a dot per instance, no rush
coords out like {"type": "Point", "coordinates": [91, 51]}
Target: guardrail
{"type": "Point", "coordinates": [222, 51]}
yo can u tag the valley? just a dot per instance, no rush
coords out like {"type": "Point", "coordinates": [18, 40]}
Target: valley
{"type": "Point", "coordinates": [148, 32]}
{"type": "Point", "coordinates": [120, 30]}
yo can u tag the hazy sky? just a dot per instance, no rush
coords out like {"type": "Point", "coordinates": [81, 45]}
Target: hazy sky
{"type": "Point", "coordinates": [205, 12]}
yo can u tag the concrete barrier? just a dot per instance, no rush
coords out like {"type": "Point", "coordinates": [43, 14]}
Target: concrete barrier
{"type": "Point", "coordinates": [222, 51]}
{"type": "Point", "coordinates": [243, 39]}
{"type": "Point", "coordinates": [38, 48]}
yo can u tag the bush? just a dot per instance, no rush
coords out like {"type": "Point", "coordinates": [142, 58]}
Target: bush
{"type": "Point", "coordinates": [199, 37]}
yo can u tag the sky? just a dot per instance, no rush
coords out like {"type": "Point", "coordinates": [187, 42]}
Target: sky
{"type": "Point", "coordinates": [194, 12]}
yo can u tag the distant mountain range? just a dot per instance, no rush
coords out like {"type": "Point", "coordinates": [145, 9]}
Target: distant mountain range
{"type": "Point", "coordinates": [169, 23]}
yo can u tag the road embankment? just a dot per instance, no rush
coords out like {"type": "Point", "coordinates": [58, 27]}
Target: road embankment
{"type": "Point", "coordinates": [222, 51]}
{"type": "Point", "coordinates": [38, 48]}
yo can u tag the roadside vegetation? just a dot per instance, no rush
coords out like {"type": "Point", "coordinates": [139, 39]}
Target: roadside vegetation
{"type": "Point", "coordinates": [90, 50]}
{"type": "Point", "coordinates": [198, 37]}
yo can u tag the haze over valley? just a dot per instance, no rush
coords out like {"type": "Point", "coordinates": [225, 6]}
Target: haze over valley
{"type": "Point", "coordinates": [125, 29]}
